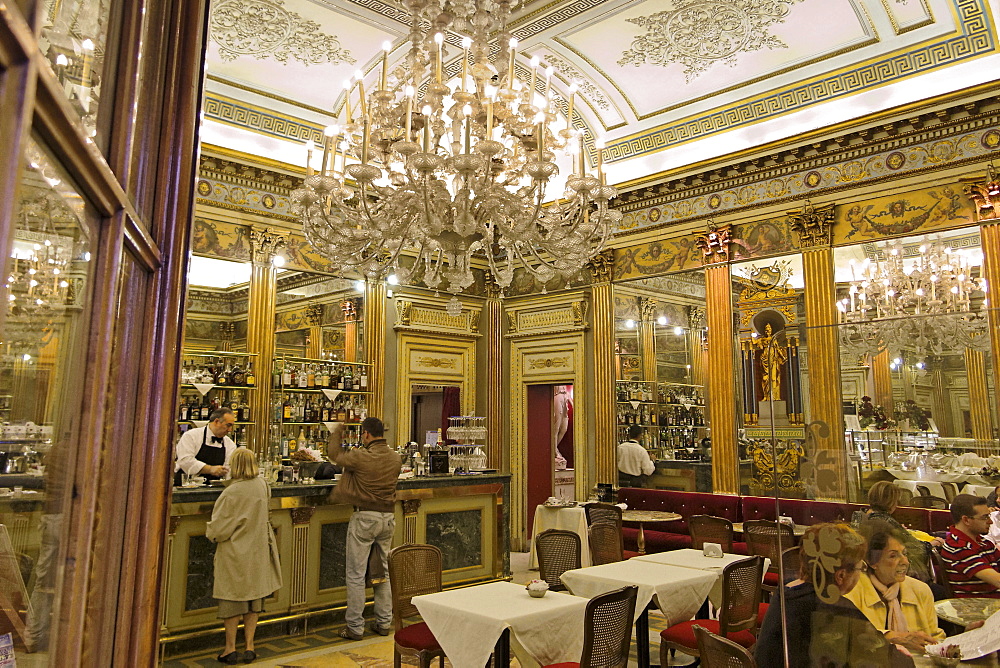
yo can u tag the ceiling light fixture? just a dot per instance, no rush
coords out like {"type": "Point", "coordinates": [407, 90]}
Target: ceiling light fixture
{"type": "Point", "coordinates": [453, 172]}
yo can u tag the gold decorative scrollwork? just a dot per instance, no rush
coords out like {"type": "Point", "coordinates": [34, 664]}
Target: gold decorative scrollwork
{"type": "Point", "coordinates": [790, 454]}
{"type": "Point", "coordinates": [814, 225]}
{"type": "Point", "coordinates": [314, 314]}
{"type": "Point", "coordinates": [714, 243]}
{"type": "Point", "coordinates": [549, 363]}
{"type": "Point", "coordinates": [580, 313]}
{"type": "Point", "coordinates": [601, 266]}
{"type": "Point", "coordinates": [404, 310]}
{"type": "Point", "coordinates": [436, 362]}
{"type": "Point", "coordinates": [265, 244]}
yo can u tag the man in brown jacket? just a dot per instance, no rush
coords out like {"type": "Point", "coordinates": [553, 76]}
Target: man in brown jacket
{"type": "Point", "coordinates": [369, 484]}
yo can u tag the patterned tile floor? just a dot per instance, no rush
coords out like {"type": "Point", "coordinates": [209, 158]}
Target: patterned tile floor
{"type": "Point", "coordinates": [323, 647]}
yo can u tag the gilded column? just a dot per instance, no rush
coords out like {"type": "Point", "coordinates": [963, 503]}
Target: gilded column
{"type": "Point", "coordinates": [647, 347]}
{"type": "Point", "coordinates": [990, 240]}
{"type": "Point", "coordinates": [722, 398]}
{"type": "Point", "coordinates": [314, 316]}
{"type": "Point", "coordinates": [696, 346]}
{"type": "Point", "coordinates": [882, 379]}
{"type": "Point", "coordinates": [495, 419]}
{"type": "Point", "coordinates": [264, 245]}
{"type": "Point", "coordinates": [979, 395]}
{"type": "Point", "coordinates": [375, 337]}
{"type": "Point", "coordinates": [940, 409]}
{"type": "Point", "coordinates": [605, 448]}
{"type": "Point", "coordinates": [825, 433]}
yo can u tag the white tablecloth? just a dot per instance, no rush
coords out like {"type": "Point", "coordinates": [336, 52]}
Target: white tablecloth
{"type": "Point", "coordinates": [689, 558]}
{"type": "Point", "coordinates": [468, 622]}
{"type": "Point", "coordinates": [933, 487]}
{"type": "Point", "coordinates": [678, 592]}
{"type": "Point", "coordinates": [570, 519]}
{"type": "Point", "coordinates": [978, 490]}
{"type": "Point", "coordinates": [900, 474]}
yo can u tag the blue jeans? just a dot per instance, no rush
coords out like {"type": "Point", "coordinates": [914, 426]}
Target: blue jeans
{"type": "Point", "coordinates": [367, 527]}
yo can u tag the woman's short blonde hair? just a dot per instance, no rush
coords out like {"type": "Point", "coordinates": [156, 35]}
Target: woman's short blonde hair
{"type": "Point", "coordinates": [883, 496]}
{"type": "Point", "coordinates": [243, 464]}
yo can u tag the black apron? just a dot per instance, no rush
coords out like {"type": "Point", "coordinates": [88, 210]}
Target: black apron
{"type": "Point", "coordinates": [207, 454]}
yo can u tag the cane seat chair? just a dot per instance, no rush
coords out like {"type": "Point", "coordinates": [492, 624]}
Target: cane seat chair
{"type": "Point", "coordinates": [605, 543]}
{"type": "Point", "coordinates": [717, 652]}
{"type": "Point", "coordinates": [709, 529]}
{"type": "Point", "coordinates": [928, 501]}
{"type": "Point", "coordinates": [558, 551]}
{"type": "Point", "coordinates": [738, 614]}
{"type": "Point", "coordinates": [767, 538]}
{"type": "Point", "coordinates": [603, 513]}
{"type": "Point", "coordinates": [414, 570]}
{"type": "Point", "coordinates": [607, 630]}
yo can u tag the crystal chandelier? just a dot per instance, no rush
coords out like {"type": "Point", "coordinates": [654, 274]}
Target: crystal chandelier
{"type": "Point", "coordinates": [448, 171]}
{"type": "Point", "coordinates": [937, 305]}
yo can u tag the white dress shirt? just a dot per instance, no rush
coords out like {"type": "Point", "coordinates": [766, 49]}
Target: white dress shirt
{"type": "Point", "coordinates": [190, 443]}
{"type": "Point", "coordinates": [633, 459]}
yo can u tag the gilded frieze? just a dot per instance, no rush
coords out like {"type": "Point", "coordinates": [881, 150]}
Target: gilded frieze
{"type": "Point", "coordinates": [914, 212]}
{"type": "Point", "coordinates": [550, 320]}
{"type": "Point", "coordinates": [435, 363]}
{"type": "Point", "coordinates": [433, 319]}
{"type": "Point", "coordinates": [243, 198]}
{"type": "Point", "coordinates": [221, 240]}
{"type": "Point", "coordinates": [978, 138]}
{"type": "Point", "coordinates": [656, 257]}
{"type": "Point", "coordinates": [559, 362]}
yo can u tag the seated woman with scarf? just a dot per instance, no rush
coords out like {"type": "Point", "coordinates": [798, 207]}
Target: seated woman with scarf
{"type": "Point", "coordinates": [899, 606]}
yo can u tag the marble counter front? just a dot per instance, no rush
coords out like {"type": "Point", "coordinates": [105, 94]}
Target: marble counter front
{"type": "Point", "coordinates": [465, 516]}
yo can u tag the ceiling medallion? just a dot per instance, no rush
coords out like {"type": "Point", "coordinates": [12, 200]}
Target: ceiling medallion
{"type": "Point", "coordinates": [265, 29]}
{"type": "Point", "coordinates": [698, 33]}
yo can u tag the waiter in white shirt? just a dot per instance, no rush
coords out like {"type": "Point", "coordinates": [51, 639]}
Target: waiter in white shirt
{"type": "Point", "coordinates": [634, 462]}
{"type": "Point", "coordinates": [205, 450]}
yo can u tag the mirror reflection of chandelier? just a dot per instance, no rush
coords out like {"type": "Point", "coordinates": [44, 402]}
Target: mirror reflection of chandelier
{"type": "Point", "coordinates": [935, 305]}
{"type": "Point", "coordinates": [449, 170]}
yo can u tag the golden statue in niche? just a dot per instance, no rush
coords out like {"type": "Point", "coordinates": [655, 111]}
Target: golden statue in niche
{"type": "Point", "coordinates": [772, 358]}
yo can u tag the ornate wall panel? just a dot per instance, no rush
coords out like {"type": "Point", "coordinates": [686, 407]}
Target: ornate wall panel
{"type": "Point", "coordinates": [433, 360]}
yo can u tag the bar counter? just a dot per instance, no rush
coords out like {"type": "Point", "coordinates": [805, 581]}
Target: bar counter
{"type": "Point", "coordinates": [466, 516]}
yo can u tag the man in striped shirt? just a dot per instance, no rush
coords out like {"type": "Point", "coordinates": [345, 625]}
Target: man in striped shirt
{"type": "Point", "coordinates": [971, 562]}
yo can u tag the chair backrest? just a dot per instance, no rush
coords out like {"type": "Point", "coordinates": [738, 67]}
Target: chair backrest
{"type": "Point", "coordinates": [928, 501]}
{"type": "Point", "coordinates": [762, 537]}
{"type": "Point", "coordinates": [940, 574]}
{"type": "Point", "coordinates": [413, 570]}
{"type": "Point", "coordinates": [905, 496]}
{"type": "Point", "coordinates": [558, 551]}
{"type": "Point", "coordinates": [709, 529]}
{"type": "Point", "coordinates": [718, 652]}
{"type": "Point", "coordinates": [790, 560]}
{"type": "Point", "coordinates": [605, 544]}
{"type": "Point", "coordinates": [740, 595]}
{"type": "Point", "coordinates": [923, 490]}
{"type": "Point", "coordinates": [607, 629]}
{"type": "Point", "coordinates": [603, 513]}
{"type": "Point", "coordinates": [950, 490]}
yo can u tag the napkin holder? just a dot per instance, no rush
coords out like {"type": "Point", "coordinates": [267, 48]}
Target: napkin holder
{"type": "Point", "coordinates": [713, 550]}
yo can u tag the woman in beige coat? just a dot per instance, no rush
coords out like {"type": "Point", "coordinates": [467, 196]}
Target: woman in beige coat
{"type": "Point", "coordinates": [247, 569]}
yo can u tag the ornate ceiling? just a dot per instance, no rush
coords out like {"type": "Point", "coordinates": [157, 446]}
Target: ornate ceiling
{"type": "Point", "coordinates": [673, 85]}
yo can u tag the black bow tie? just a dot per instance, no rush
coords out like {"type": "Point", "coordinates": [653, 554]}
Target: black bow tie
{"type": "Point", "coordinates": [218, 439]}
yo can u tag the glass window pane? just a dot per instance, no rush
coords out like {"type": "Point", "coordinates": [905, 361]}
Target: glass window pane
{"type": "Point", "coordinates": [46, 290]}
{"type": "Point", "coordinates": [73, 38]}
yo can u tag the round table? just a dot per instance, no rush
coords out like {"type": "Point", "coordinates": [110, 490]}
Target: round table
{"type": "Point", "coordinates": [964, 611]}
{"type": "Point", "coordinates": [640, 516]}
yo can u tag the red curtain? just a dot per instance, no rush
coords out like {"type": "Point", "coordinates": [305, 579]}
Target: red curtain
{"type": "Point", "coordinates": [451, 406]}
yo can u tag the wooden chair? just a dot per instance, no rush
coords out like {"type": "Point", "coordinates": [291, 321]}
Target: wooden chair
{"type": "Point", "coordinates": [790, 559]}
{"type": "Point", "coordinates": [709, 529]}
{"type": "Point", "coordinates": [928, 501]}
{"type": "Point", "coordinates": [717, 652]}
{"type": "Point", "coordinates": [767, 538]}
{"type": "Point", "coordinates": [606, 545]}
{"type": "Point", "coordinates": [950, 490]}
{"type": "Point", "coordinates": [738, 613]}
{"type": "Point", "coordinates": [607, 630]}
{"type": "Point", "coordinates": [940, 572]}
{"type": "Point", "coordinates": [414, 570]}
{"type": "Point", "coordinates": [607, 513]}
{"type": "Point", "coordinates": [558, 551]}
{"type": "Point", "coordinates": [905, 496]}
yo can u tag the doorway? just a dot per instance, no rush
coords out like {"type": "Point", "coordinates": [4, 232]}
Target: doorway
{"type": "Point", "coordinates": [549, 445]}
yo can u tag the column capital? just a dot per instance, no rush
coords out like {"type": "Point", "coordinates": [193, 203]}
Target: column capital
{"type": "Point", "coordinates": [813, 224]}
{"type": "Point", "coordinates": [265, 244]}
{"type": "Point", "coordinates": [714, 243]}
{"type": "Point", "coordinates": [985, 196]}
{"type": "Point", "coordinates": [646, 307]}
{"type": "Point", "coordinates": [696, 317]}
{"type": "Point", "coordinates": [601, 266]}
{"type": "Point", "coordinates": [226, 330]}
{"type": "Point", "coordinates": [314, 314]}
{"type": "Point", "coordinates": [493, 289]}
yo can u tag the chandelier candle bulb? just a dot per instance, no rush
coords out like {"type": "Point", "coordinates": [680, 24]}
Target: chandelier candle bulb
{"type": "Point", "coordinates": [364, 140]}
{"type": "Point", "coordinates": [512, 48]}
{"type": "Point", "coordinates": [386, 48]}
{"type": "Point", "coordinates": [572, 98]}
{"type": "Point", "coordinates": [466, 43]}
{"type": "Point", "coordinates": [534, 79]}
{"type": "Point", "coordinates": [361, 89]}
{"type": "Point", "coordinates": [426, 111]}
{"type": "Point", "coordinates": [309, 157]}
{"type": "Point", "coordinates": [439, 40]}
{"type": "Point", "coordinates": [328, 134]}
{"type": "Point", "coordinates": [410, 92]}
{"type": "Point", "coordinates": [348, 86]}
{"type": "Point", "coordinates": [548, 81]}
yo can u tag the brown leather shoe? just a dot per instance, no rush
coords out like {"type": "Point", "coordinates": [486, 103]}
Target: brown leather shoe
{"type": "Point", "coordinates": [375, 628]}
{"type": "Point", "coordinates": [346, 634]}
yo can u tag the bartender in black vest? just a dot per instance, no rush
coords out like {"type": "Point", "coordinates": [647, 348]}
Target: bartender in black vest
{"type": "Point", "coordinates": [205, 450]}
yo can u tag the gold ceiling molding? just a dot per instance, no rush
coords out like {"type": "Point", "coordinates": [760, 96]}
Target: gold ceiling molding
{"type": "Point", "coordinates": [240, 114]}
{"type": "Point", "coordinates": [897, 28]}
{"type": "Point", "coordinates": [976, 38]}
{"type": "Point", "coordinates": [263, 93]}
{"type": "Point", "coordinates": [433, 320]}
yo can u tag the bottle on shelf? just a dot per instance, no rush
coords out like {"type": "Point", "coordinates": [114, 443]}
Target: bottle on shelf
{"type": "Point", "coordinates": [250, 379]}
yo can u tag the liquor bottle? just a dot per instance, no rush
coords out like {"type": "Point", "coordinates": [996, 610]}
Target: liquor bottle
{"type": "Point", "coordinates": [286, 375]}
{"type": "Point", "coordinates": [323, 379]}
{"type": "Point", "coordinates": [364, 379]}
{"type": "Point", "coordinates": [340, 379]}
{"type": "Point", "coordinates": [286, 409]}
{"type": "Point", "coordinates": [237, 376]}
{"type": "Point", "coordinates": [250, 378]}
{"type": "Point", "coordinates": [303, 378]}
{"type": "Point", "coordinates": [341, 412]}
{"type": "Point", "coordinates": [204, 410]}
{"type": "Point", "coordinates": [311, 378]}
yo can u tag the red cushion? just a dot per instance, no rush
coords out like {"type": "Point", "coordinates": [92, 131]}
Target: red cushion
{"type": "Point", "coordinates": [567, 664]}
{"type": "Point", "coordinates": [740, 548]}
{"type": "Point", "coordinates": [761, 611]}
{"type": "Point", "coordinates": [416, 636]}
{"type": "Point", "coordinates": [627, 554]}
{"type": "Point", "coordinates": [771, 579]}
{"type": "Point", "coordinates": [683, 634]}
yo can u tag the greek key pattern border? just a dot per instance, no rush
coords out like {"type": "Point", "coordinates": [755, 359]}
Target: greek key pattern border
{"type": "Point", "coordinates": [232, 112]}
{"type": "Point", "coordinates": [976, 39]}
